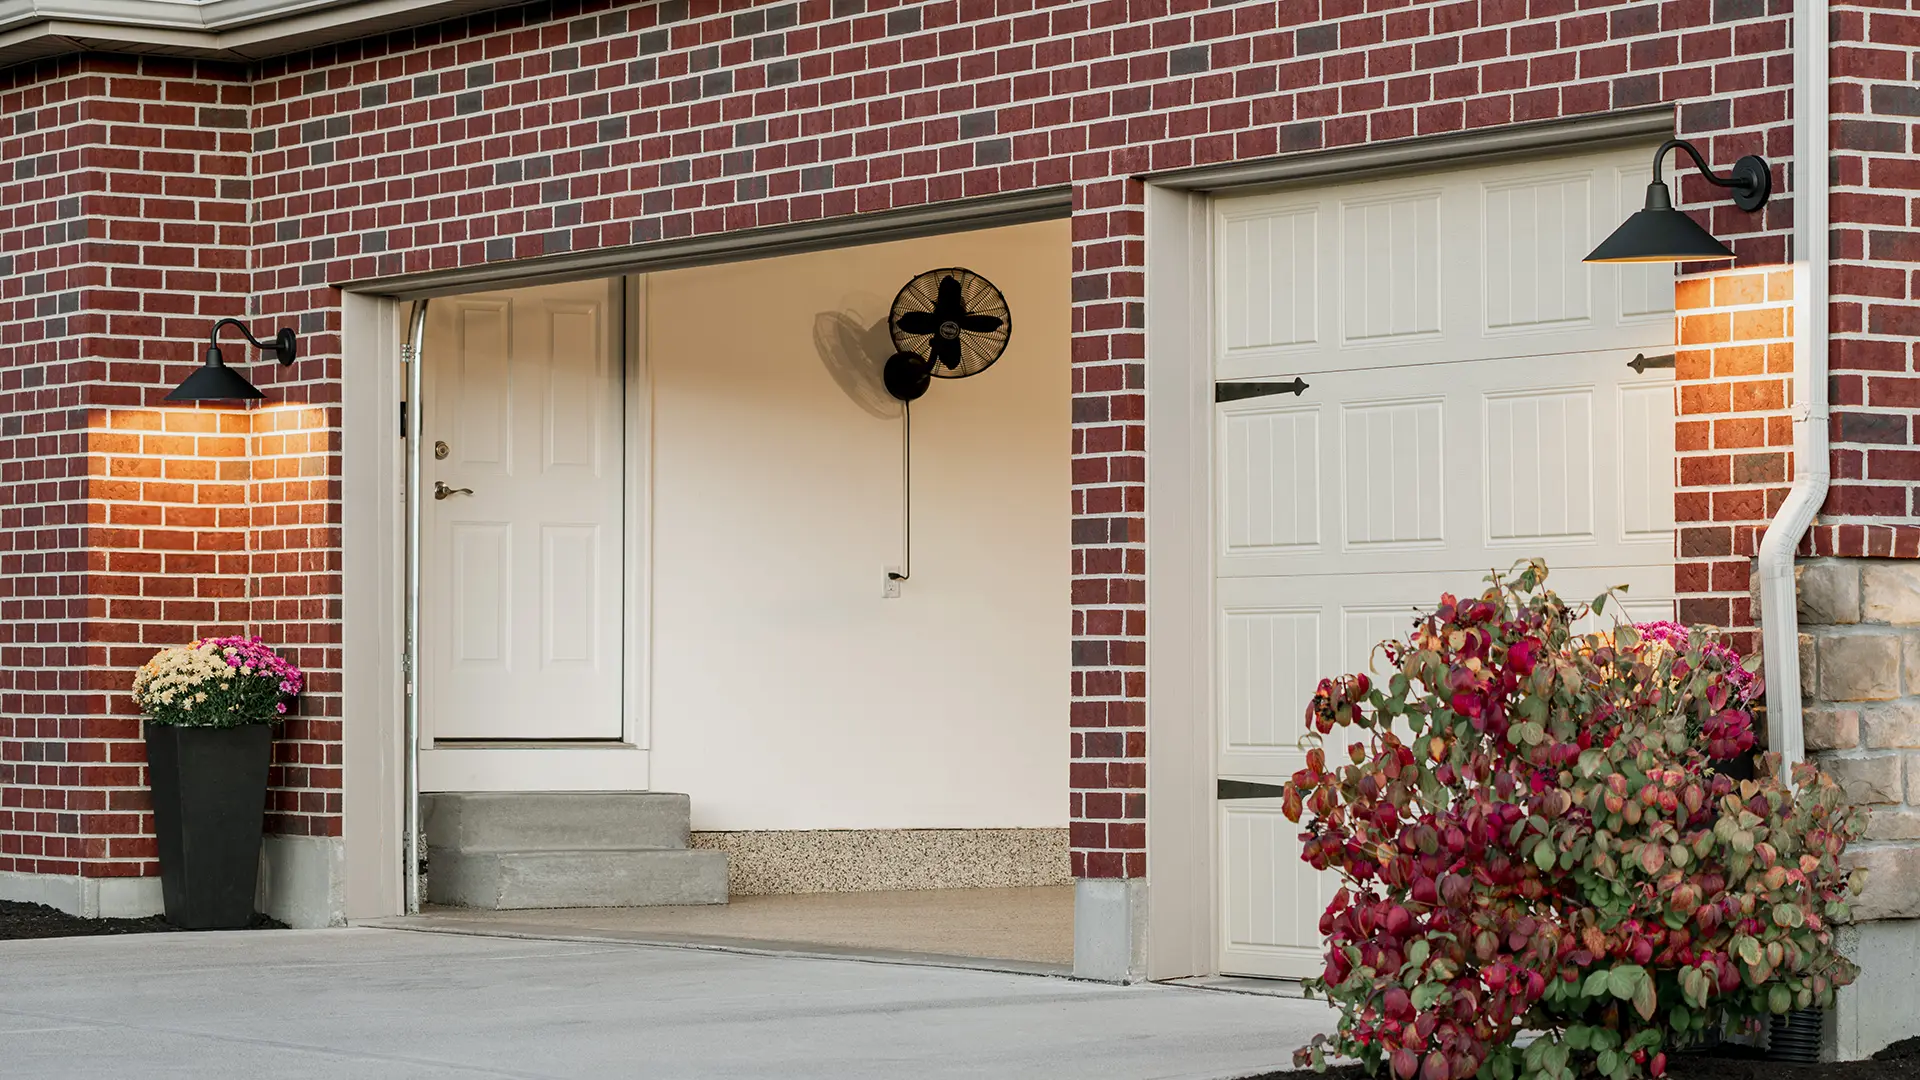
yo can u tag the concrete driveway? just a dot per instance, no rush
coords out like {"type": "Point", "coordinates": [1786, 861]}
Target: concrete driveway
{"type": "Point", "coordinates": [371, 1004]}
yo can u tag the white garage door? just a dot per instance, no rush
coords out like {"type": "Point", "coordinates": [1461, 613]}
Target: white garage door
{"type": "Point", "coordinates": [1469, 403]}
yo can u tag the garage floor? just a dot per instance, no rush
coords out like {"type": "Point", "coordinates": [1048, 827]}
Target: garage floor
{"type": "Point", "coordinates": [1000, 929]}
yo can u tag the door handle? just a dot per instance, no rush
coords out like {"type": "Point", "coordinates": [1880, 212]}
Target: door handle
{"type": "Point", "coordinates": [441, 490]}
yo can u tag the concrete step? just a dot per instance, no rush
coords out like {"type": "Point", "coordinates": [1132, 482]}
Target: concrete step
{"type": "Point", "coordinates": [597, 877]}
{"type": "Point", "coordinates": [555, 820]}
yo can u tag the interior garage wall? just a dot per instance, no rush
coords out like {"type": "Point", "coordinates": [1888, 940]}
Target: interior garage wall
{"type": "Point", "coordinates": [787, 693]}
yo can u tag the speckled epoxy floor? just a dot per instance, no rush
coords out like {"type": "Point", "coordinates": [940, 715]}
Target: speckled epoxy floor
{"type": "Point", "coordinates": [1013, 929]}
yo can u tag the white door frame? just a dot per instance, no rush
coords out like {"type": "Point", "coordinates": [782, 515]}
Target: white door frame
{"type": "Point", "coordinates": [373, 487]}
{"type": "Point", "coordinates": [1183, 914]}
{"type": "Point", "coordinates": [372, 583]}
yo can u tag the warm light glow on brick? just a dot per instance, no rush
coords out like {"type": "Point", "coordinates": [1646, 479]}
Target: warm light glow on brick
{"type": "Point", "coordinates": [1733, 436]}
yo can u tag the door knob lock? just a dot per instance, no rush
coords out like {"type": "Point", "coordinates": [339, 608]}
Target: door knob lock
{"type": "Point", "coordinates": [441, 490]}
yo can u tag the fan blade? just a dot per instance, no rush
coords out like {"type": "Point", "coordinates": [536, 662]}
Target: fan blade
{"type": "Point", "coordinates": [952, 306]}
{"type": "Point", "coordinates": [946, 351]}
{"type": "Point", "coordinates": [924, 323]}
{"type": "Point", "coordinates": [979, 324]}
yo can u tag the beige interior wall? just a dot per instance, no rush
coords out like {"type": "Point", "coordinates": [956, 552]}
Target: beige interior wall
{"type": "Point", "coordinates": [786, 692]}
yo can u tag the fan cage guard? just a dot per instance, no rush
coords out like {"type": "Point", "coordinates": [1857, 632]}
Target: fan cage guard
{"type": "Point", "coordinates": [950, 348]}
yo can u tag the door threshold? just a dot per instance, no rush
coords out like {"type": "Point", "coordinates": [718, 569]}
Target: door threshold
{"type": "Point", "coordinates": [534, 766]}
{"type": "Point", "coordinates": [531, 744]}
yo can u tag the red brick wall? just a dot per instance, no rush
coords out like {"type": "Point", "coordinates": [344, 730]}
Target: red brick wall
{"type": "Point", "coordinates": [1876, 255]}
{"type": "Point", "coordinates": [564, 127]}
{"type": "Point", "coordinates": [125, 525]}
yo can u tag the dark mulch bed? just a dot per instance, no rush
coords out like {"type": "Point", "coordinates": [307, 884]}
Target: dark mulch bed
{"type": "Point", "coordinates": [1901, 1061]}
{"type": "Point", "coordinates": [18, 921]}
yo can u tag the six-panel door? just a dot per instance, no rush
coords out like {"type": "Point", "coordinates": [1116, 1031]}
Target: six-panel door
{"type": "Point", "coordinates": [523, 470]}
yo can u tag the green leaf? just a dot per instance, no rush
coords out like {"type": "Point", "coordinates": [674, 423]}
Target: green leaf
{"type": "Point", "coordinates": [1543, 854]}
{"type": "Point", "coordinates": [1779, 999]}
{"type": "Point", "coordinates": [1426, 994]}
{"type": "Point", "coordinates": [1609, 1061]}
{"type": "Point", "coordinates": [1417, 955]}
{"type": "Point", "coordinates": [1746, 948]}
{"type": "Point", "coordinates": [1644, 1001]}
{"type": "Point", "coordinates": [1623, 980]}
{"type": "Point", "coordinates": [1596, 984]}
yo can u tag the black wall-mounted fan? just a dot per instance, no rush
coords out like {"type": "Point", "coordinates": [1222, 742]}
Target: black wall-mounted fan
{"type": "Point", "coordinates": [946, 324]}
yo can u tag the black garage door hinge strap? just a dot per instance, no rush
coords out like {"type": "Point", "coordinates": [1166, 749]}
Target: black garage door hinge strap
{"type": "Point", "coordinates": [1247, 789]}
{"type": "Point", "coordinates": [1234, 391]}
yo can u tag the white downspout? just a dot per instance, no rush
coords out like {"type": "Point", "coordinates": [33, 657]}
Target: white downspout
{"type": "Point", "coordinates": [1812, 465]}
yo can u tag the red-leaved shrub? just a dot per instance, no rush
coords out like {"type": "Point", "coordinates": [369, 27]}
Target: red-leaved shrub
{"type": "Point", "coordinates": [1530, 836]}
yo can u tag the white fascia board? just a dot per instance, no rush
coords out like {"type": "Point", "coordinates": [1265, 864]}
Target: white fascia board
{"type": "Point", "coordinates": [233, 29]}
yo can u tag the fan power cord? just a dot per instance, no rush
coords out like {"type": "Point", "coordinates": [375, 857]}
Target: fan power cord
{"type": "Point", "coordinates": [906, 484]}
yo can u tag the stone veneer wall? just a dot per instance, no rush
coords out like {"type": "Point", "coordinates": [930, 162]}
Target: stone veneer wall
{"type": "Point", "coordinates": [1860, 679]}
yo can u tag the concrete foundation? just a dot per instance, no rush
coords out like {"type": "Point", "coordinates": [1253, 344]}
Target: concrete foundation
{"type": "Point", "coordinates": [92, 898]}
{"type": "Point", "coordinates": [1883, 1006]}
{"type": "Point", "coordinates": [303, 881]}
{"type": "Point", "coordinates": [1110, 929]}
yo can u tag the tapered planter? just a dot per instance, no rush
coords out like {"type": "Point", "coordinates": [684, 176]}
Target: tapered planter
{"type": "Point", "coordinates": [209, 800]}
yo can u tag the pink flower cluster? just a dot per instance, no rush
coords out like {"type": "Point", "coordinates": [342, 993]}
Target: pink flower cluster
{"type": "Point", "coordinates": [258, 658]}
{"type": "Point", "coordinates": [1745, 685]}
{"type": "Point", "coordinates": [1728, 732]}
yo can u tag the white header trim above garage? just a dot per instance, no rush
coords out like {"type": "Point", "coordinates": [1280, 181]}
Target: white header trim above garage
{"type": "Point", "coordinates": [1579, 134]}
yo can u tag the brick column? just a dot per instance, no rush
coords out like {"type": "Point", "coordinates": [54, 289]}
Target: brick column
{"type": "Point", "coordinates": [1875, 279]}
{"type": "Point", "coordinates": [1108, 779]}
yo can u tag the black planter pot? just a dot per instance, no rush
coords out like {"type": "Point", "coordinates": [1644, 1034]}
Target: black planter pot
{"type": "Point", "coordinates": [209, 802]}
{"type": "Point", "coordinates": [1743, 767]}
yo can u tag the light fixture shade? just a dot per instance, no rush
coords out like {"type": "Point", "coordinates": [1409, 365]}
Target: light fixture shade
{"type": "Point", "coordinates": [1658, 234]}
{"type": "Point", "coordinates": [214, 381]}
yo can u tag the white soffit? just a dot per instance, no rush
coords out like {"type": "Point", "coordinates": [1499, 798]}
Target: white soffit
{"type": "Point", "coordinates": [207, 29]}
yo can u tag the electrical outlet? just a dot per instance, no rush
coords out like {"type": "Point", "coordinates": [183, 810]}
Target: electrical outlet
{"type": "Point", "coordinates": [889, 585]}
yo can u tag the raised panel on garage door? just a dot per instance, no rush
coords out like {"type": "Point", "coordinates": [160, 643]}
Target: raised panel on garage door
{"type": "Point", "coordinates": [1468, 406]}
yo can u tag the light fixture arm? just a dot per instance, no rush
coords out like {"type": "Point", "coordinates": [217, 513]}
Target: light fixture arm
{"type": "Point", "coordinates": [1750, 180]}
{"type": "Point", "coordinates": [282, 347]}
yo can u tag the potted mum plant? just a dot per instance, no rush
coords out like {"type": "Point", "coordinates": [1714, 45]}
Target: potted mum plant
{"type": "Point", "coordinates": [210, 706]}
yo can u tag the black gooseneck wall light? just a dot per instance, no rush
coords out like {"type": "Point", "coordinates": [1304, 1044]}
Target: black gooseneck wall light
{"type": "Point", "coordinates": [1659, 233]}
{"type": "Point", "coordinates": [215, 381]}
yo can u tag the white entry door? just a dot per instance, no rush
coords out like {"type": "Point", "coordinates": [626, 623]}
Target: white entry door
{"type": "Point", "coordinates": [521, 611]}
{"type": "Point", "coordinates": [1469, 404]}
